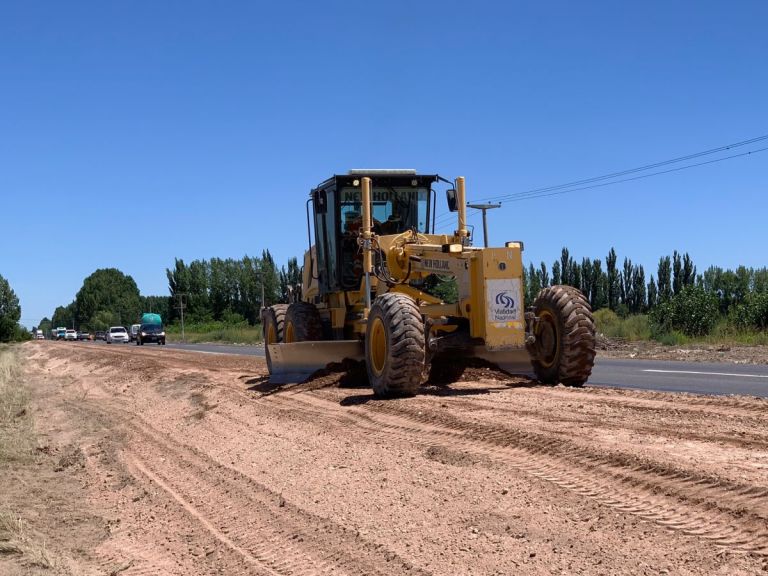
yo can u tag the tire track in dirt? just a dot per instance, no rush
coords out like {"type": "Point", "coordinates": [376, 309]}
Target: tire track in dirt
{"type": "Point", "coordinates": [640, 401]}
{"type": "Point", "coordinates": [136, 465]}
{"type": "Point", "coordinates": [725, 513]}
{"type": "Point", "coordinates": [326, 547]}
{"type": "Point", "coordinates": [148, 558]}
{"type": "Point", "coordinates": [750, 437]}
{"type": "Point", "coordinates": [728, 515]}
{"type": "Point", "coordinates": [112, 561]}
{"type": "Point", "coordinates": [250, 519]}
{"type": "Point", "coordinates": [724, 405]}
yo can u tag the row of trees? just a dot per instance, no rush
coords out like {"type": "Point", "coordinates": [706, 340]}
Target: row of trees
{"type": "Point", "coordinates": [229, 290]}
{"type": "Point", "coordinates": [107, 298]}
{"type": "Point", "coordinates": [676, 298]}
{"type": "Point", "coordinates": [235, 290]}
{"type": "Point", "coordinates": [10, 314]}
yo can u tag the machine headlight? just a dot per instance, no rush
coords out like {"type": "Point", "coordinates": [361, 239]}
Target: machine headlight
{"type": "Point", "coordinates": [143, 333]}
{"type": "Point", "coordinates": [162, 333]}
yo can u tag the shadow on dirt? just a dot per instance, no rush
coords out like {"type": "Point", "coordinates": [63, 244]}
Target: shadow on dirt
{"type": "Point", "coordinates": [260, 384]}
{"type": "Point", "coordinates": [347, 374]}
{"type": "Point", "coordinates": [441, 391]}
{"type": "Point", "coordinates": [442, 380]}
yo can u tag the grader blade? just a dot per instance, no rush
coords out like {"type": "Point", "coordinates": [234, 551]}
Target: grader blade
{"type": "Point", "coordinates": [515, 361]}
{"type": "Point", "coordinates": [295, 362]}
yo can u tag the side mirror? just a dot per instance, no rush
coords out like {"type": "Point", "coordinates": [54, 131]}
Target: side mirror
{"type": "Point", "coordinates": [321, 202]}
{"type": "Point", "coordinates": [450, 195]}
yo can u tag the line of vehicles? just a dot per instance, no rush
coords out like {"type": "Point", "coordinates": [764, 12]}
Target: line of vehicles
{"type": "Point", "coordinates": [149, 331]}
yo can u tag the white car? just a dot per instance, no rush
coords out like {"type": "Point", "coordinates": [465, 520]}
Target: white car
{"type": "Point", "coordinates": [70, 335]}
{"type": "Point", "coordinates": [118, 334]}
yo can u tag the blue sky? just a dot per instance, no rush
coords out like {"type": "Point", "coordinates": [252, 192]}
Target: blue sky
{"type": "Point", "coordinates": [135, 132]}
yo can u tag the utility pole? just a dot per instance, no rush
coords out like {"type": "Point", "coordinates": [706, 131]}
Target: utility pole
{"type": "Point", "coordinates": [484, 208]}
{"type": "Point", "coordinates": [180, 306]}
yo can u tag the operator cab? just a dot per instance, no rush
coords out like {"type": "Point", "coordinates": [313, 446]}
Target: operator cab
{"type": "Point", "coordinates": [402, 200]}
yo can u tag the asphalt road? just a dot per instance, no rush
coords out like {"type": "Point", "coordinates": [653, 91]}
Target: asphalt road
{"type": "Point", "coordinates": [220, 348]}
{"type": "Point", "coordinates": [666, 376]}
{"type": "Point", "coordinates": [692, 377]}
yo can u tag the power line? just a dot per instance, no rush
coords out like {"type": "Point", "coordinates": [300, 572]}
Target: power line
{"type": "Point", "coordinates": [569, 187]}
{"type": "Point", "coordinates": [449, 218]}
{"type": "Point", "coordinates": [633, 170]}
{"type": "Point", "coordinates": [555, 193]}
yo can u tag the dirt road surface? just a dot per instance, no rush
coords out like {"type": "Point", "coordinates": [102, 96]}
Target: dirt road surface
{"type": "Point", "coordinates": [152, 461]}
{"type": "Point", "coordinates": [649, 350]}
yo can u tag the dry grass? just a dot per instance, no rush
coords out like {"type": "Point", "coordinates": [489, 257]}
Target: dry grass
{"type": "Point", "coordinates": [16, 449]}
{"type": "Point", "coordinates": [16, 437]}
{"type": "Point", "coordinates": [16, 539]}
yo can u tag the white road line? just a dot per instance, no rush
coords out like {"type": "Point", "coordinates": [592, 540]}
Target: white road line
{"type": "Point", "coordinates": [198, 351]}
{"type": "Point", "coordinates": [709, 373]}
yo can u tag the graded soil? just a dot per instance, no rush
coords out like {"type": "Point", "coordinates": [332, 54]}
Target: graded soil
{"type": "Point", "coordinates": [156, 461]}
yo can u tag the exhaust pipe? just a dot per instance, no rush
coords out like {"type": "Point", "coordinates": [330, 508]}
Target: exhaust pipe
{"type": "Point", "coordinates": [461, 201]}
{"type": "Point", "coordinates": [366, 241]}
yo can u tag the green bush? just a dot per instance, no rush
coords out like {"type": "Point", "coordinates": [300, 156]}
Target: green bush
{"type": "Point", "coordinates": [605, 320]}
{"type": "Point", "coordinates": [730, 331]}
{"type": "Point", "coordinates": [673, 338]}
{"type": "Point", "coordinates": [753, 313]}
{"type": "Point", "coordinates": [693, 311]}
{"type": "Point", "coordinates": [633, 327]}
{"type": "Point", "coordinates": [228, 334]}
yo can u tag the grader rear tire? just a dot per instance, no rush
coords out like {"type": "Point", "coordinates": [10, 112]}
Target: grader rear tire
{"type": "Point", "coordinates": [273, 327]}
{"type": "Point", "coordinates": [302, 323]}
{"type": "Point", "coordinates": [395, 351]}
{"type": "Point", "coordinates": [564, 350]}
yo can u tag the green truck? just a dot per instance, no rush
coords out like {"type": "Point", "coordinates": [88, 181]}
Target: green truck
{"type": "Point", "coordinates": [150, 330]}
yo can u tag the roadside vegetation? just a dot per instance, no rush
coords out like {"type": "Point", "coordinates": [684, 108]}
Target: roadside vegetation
{"type": "Point", "coordinates": [677, 306]}
{"type": "Point", "coordinates": [10, 313]}
{"type": "Point", "coordinates": [219, 332]}
{"type": "Point", "coordinates": [17, 448]}
{"type": "Point", "coordinates": [16, 437]}
{"type": "Point", "coordinates": [221, 299]}
{"type": "Point", "coordinates": [638, 327]}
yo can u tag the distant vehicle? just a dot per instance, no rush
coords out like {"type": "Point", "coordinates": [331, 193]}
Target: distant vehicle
{"type": "Point", "coordinates": [151, 333]}
{"type": "Point", "coordinates": [60, 333]}
{"type": "Point", "coordinates": [134, 331]}
{"type": "Point", "coordinates": [100, 335]}
{"type": "Point", "coordinates": [149, 318]}
{"type": "Point", "coordinates": [39, 335]}
{"type": "Point", "coordinates": [84, 336]}
{"type": "Point", "coordinates": [118, 334]}
{"type": "Point", "coordinates": [70, 334]}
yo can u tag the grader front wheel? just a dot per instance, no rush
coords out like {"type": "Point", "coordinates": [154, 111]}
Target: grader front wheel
{"type": "Point", "coordinates": [302, 323]}
{"type": "Point", "coordinates": [395, 346]}
{"type": "Point", "coordinates": [564, 350]}
{"type": "Point", "coordinates": [274, 327]}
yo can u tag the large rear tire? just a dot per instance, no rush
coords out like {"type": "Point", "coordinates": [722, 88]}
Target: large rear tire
{"type": "Point", "coordinates": [273, 327]}
{"type": "Point", "coordinates": [395, 351]}
{"type": "Point", "coordinates": [302, 323]}
{"type": "Point", "coordinates": [564, 350]}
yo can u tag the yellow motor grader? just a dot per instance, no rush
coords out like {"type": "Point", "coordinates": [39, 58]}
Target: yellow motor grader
{"type": "Point", "coordinates": [365, 293]}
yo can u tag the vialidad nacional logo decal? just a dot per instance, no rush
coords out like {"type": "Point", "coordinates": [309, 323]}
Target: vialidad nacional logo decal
{"type": "Point", "coordinates": [504, 299]}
